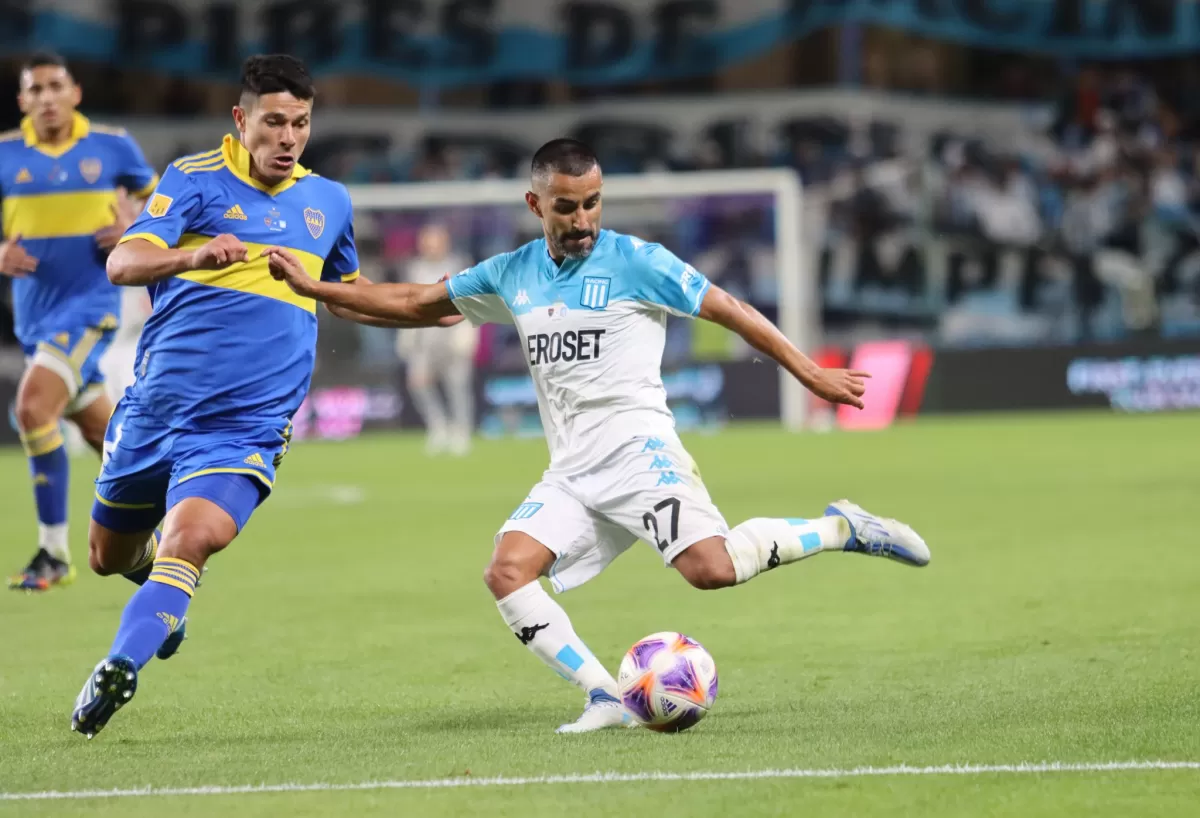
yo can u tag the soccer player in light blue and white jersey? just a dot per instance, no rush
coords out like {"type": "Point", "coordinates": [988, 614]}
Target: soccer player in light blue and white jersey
{"type": "Point", "coordinates": [592, 306]}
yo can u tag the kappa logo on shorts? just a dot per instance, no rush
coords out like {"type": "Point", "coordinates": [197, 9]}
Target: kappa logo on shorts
{"type": "Point", "coordinates": [668, 478]}
{"type": "Point", "coordinates": [526, 510]}
{"type": "Point", "coordinates": [653, 445]}
{"type": "Point", "coordinates": [661, 462]}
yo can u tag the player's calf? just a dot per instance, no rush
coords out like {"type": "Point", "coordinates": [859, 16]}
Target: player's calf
{"type": "Point", "coordinates": [41, 398]}
{"type": "Point", "coordinates": [706, 565]}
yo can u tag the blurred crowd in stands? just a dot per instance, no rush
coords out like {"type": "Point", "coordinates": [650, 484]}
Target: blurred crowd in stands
{"type": "Point", "coordinates": [1087, 229]}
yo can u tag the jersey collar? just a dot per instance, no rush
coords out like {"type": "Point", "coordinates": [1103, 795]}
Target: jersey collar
{"type": "Point", "coordinates": [237, 159]}
{"type": "Point", "coordinates": [79, 129]}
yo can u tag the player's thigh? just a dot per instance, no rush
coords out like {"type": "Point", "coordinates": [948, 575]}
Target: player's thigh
{"type": "Point", "coordinates": [582, 543]}
{"type": "Point", "coordinates": [42, 397]}
{"type": "Point", "coordinates": [206, 516]}
{"type": "Point", "coordinates": [92, 411]}
{"type": "Point", "coordinates": [652, 489]}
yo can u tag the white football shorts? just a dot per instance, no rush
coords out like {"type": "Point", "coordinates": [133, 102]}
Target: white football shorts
{"type": "Point", "coordinates": [648, 489]}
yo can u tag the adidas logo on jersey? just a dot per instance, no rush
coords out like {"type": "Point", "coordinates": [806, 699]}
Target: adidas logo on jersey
{"type": "Point", "coordinates": [255, 460]}
{"type": "Point", "coordinates": [236, 212]}
{"type": "Point", "coordinates": [24, 176]}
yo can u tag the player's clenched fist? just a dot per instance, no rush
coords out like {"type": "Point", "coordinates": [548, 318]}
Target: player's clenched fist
{"type": "Point", "coordinates": [841, 386]}
{"type": "Point", "coordinates": [284, 266]}
{"type": "Point", "coordinates": [222, 251]}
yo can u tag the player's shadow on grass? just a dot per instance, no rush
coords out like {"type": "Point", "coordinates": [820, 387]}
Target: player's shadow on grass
{"type": "Point", "coordinates": [489, 719]}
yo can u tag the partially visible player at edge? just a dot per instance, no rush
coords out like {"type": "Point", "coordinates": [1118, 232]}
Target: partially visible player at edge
{"type": "Point", "coordinates": [70, 188]}
{"type": "Point", "coordinates": [223, 363]}
{"type": "Point", "coordinates": [592, 305]}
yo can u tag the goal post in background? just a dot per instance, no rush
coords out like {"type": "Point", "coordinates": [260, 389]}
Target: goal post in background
{"type": "Point", "coordinates": [796, 280]}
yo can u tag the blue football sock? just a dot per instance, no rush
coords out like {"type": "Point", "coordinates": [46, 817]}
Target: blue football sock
{"type": "Point", "coordinates": [50, 470]}
{"type": "Point", "coordinates": [145, 564]}
{"type": "Point", "coordinates": [155, 610]}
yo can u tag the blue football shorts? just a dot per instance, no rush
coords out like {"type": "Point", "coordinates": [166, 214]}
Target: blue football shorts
{"type": "Point", "coordinates": [149, 467]}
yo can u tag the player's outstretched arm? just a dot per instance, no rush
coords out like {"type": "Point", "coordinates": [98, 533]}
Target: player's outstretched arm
{"type": "Point", "coordinates": [400, 305]}
{"type": "Point", "coordinates": [139, 262]}
{"type": "Point", "coordinates": [371, 321]}
{"type": "Point", "coordinates": [833, 385]}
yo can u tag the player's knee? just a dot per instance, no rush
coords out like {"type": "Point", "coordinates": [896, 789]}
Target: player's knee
{"type": "Point", "coordinates": [506, 574]}
{"type": "Point", "coordinates": [706, 565]}
{"type": "Point", "coordinates": [195, 540]}
{"type": "Point", "coordinates": [33, 411]}
{"type": "Point", "coordinates": [101, 558]}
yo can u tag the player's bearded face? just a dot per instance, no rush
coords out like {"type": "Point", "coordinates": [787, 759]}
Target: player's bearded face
{"type": "Point", "coordinates": [49, 96]}
{"type": "Point", "coordinates": [275, 130]}
{"type": "Point", "coordinates": [569, 207]}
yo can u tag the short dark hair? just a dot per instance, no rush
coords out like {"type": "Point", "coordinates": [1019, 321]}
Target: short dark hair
{"type": "Point", "coordinates": [276, 74]}
{"type": "Point", "coordinates": [41, 59]}
{"type": "Point", "coordinates": [567, 156]}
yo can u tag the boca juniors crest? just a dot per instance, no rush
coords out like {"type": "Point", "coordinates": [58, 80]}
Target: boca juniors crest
{"type": "Point", "coordinates": [315, 221]}
{"type": "Point", "coordinates": [90, 170]}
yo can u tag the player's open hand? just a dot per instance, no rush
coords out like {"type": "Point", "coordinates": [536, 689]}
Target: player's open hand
{"type": "Point", "coordinates": [221, 251]}
{"type": "Point", "coordinates": [284, 266]}
{"type": "Point", "coordinates": [14, 261]}
{"type": "Point", "coordinates": [123, 214]}
{"type": "Point", "coordinates": [841, 386]}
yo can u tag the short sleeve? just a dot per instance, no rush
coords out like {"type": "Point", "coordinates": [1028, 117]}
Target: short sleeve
{"type": "Point", "coordinates": [476, 296]}
{"type": "Point", "coordinates": [665, 280]}
{"type": "Point", "coordinates": [169, 211]}
{"type": "Point", "coordinates": [342, 262]}
{"type": "Point", "coordinates": [133, 171]}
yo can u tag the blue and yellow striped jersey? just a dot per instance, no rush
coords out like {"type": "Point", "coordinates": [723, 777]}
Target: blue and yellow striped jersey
{"type": "Point", "coordinates": [234, 346]}
{"type": "Point", "coordinates": [56, 197]}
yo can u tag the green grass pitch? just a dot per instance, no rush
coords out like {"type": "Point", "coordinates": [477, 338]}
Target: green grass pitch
{"type": "Point", "coordinates": [347, 637]}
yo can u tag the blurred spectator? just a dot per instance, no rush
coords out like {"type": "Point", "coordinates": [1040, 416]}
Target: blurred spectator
{"type": "Point", "coordinates": [438, 357]}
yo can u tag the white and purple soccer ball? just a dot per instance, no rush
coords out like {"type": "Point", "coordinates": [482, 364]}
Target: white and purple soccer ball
{"type": "Point", "coordinates": [668, 682]}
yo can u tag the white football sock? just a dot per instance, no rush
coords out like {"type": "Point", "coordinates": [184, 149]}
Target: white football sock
{"type": "Point", "coordinates": [544, 627]}
{"type": "Point", "coordinates": [764, 543]}
{"type": "Point", "coordinates": [54, 539]}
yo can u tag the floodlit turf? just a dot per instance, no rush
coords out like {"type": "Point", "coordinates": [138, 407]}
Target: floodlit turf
{"type": "Point", "coordinates": [347, 637]}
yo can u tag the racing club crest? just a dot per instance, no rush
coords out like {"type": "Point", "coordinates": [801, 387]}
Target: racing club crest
{"type": "Point", "coordinates": [315, 221]}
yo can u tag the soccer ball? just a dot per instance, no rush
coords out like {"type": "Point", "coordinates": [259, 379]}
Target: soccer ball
{"type": "Point", "coordinates": [668, 682]}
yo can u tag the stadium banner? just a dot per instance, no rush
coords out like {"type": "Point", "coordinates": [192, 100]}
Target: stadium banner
{"type": "Point", "coordinates": [1133, 377]}
{"type": "Point", "coordinates": [456, 42]}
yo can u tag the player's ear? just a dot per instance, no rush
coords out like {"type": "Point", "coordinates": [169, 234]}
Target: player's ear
{"type": "Point", "coordinates": [535, 206]}
{"type": "Point", "coordinates": [239, 118]}
{"type": "Point", "coordinates": [76, 94]}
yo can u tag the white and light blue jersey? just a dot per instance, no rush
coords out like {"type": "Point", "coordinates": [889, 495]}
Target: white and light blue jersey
{"type": "Point", "coordinates": [594, 332]}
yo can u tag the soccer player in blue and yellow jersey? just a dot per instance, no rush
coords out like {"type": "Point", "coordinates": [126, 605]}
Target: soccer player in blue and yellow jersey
{"type": "Point", "coordinates": [223, 362]}
{"type": "Point", "coordinates": [68, 188]}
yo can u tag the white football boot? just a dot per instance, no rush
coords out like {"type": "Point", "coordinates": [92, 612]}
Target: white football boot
{"type": "Point", "coordinates": [880, 536]}
{"type": "Point", "coordinates": [601, 713]}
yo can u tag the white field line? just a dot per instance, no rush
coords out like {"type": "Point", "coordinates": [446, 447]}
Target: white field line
{"type": "Point", "coordinates": [1025, 768]}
